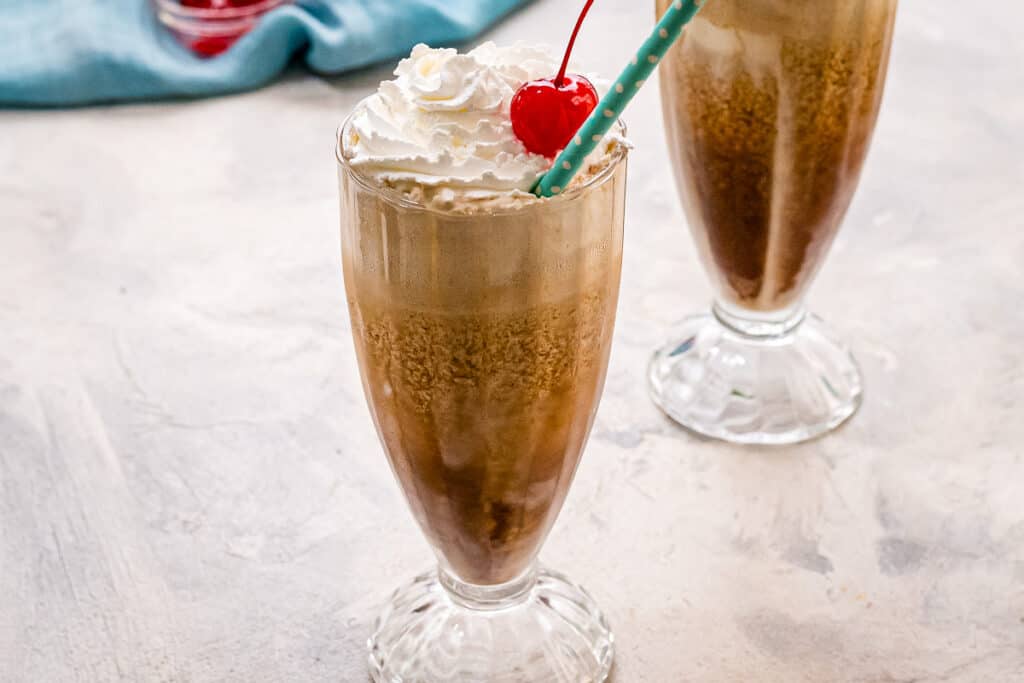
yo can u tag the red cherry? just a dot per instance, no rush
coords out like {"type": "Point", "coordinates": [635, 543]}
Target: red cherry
{"type": "Point", "coordinates": [211, 46]}
{"type": "Point", "coordinates": [545, 115]}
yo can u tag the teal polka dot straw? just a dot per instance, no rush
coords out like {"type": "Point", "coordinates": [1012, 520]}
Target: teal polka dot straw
{"type": "Point", "coordinates": [665, 34]}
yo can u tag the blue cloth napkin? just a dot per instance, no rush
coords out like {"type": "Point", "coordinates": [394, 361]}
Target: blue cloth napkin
{"type": "Point", "coordinates": [72, 52]}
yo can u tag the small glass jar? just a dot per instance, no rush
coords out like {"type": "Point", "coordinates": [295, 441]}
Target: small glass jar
{"type": "Point", "coordinates": [209, 31]}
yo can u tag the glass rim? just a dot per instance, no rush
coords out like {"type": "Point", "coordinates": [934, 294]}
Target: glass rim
{"type": "Point", "coordinates": [400, 200]}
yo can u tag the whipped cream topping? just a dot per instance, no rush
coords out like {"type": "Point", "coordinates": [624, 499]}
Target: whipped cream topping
{"type": "Point", "coordinates": [443, 126]}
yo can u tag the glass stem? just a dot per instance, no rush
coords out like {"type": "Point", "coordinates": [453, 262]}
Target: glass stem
{"type": "Point", "coordinates": [487, 598]}
{"type": "Point", "coordinates": [765, 325]}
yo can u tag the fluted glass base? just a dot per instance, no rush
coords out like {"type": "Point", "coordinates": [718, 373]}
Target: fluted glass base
{"type": "Point", "coordinates": [755, 379]}
{"type": "Point", "coordinates": [541, 627]}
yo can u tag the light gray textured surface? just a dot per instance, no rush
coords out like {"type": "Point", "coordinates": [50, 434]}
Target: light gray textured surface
{"type": "Point", "coordinates": [190, 486]}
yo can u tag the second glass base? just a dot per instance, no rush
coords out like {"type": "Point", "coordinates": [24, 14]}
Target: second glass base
{"type": "Point", "coordinates": [764, 383]}
{"type": "Point", "coordinates": [541, 627]}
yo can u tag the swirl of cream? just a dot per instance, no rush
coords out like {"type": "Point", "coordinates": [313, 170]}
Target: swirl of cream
{"type": "Point", "coordinates": [444, 122]}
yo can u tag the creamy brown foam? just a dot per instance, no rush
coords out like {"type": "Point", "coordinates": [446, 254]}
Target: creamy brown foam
{"type": "Point", "coordinates": [770, 106]}
{"type": "Point", "coordinates": [483, 342]}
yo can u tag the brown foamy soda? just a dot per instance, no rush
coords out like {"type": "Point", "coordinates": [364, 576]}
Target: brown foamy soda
{"type": "Point", "coordinates": [483, 341]}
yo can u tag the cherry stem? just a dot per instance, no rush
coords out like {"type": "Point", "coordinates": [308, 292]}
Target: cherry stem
{"type": "Point", "coordinates": [572, 43]}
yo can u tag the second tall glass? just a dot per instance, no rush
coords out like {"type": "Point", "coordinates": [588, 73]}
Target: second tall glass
{"type": "Point", "coordinates": [769, 107]}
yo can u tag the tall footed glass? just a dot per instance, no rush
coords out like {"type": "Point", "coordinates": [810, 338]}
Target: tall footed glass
{"type": "Point", "coordinates": [769, 107]}
{"type": "Point", "coordinates": [483, 342]}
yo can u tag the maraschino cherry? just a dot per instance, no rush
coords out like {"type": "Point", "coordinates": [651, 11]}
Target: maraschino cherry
{"type": "Point", "coordinates": [547, 113]}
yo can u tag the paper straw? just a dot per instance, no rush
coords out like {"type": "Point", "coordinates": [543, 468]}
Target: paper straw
{"type": "Point", "coordinates": [665, 34]}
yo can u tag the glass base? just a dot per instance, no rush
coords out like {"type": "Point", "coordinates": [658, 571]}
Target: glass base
{"type": "Point", "coordinates": [755, 380]}
{"type": "Point", "coordinates": [541, 627]}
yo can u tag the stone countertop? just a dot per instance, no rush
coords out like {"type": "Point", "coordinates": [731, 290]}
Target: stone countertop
{"type": "Point", "coordinates": [191, 488]}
